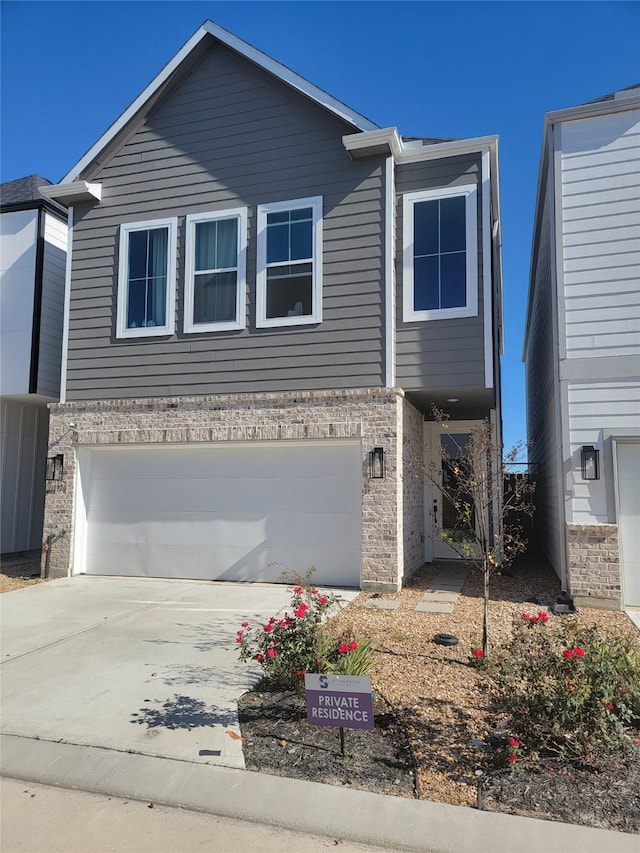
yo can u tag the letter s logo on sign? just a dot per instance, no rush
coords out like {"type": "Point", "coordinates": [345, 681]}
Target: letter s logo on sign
{"type": "Point", "coordinates": [324, 682]}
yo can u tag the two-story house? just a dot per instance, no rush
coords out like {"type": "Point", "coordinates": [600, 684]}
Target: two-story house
{"type": "Point", "coordinates": [267, 293]}
{"type": "Point", "coordinates": [33, 247]}
{"type": "Point", "coordinates": [582, 349]}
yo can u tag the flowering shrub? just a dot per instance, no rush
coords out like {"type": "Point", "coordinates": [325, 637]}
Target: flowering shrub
{"type": "Point", "coordinates": [570, 692]}
{"type": "Point", "coordinates": [289, 646]}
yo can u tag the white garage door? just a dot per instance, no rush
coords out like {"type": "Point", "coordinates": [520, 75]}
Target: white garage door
{"type": "Point", "coordinates": [237, 512]}
{"type": "Point", "coordinates": [628, 482]}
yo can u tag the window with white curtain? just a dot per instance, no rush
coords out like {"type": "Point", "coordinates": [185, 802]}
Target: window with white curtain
{"type": "Point", "coordinates": [215, 271]}
{"type": "Point", "coordinates": [146, 279]}
{"type": "Point", "coordinates": [289, 266]}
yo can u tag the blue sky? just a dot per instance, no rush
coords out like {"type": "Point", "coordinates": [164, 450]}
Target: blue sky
{"type": "Point", "coordinates": [455, 69]}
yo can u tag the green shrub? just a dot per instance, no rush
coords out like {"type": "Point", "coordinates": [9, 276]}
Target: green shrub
{"type": "Point", "coordinates": [289, 646]}
{"type": "Point", "coordinates": [570, 692]}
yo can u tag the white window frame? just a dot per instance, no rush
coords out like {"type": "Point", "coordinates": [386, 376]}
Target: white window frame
{"type": "Point", "coordinates": [470, 309]}
{"type": "Point", "coordinates": [262, 322]}
{"type": "Point", "coordinates": [240, 214]}
{"type": "Point", "coordinates": [123, 263]}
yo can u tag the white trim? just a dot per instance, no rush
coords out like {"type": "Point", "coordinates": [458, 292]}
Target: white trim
{"type": "Point", "coordinates": [67, 309]}
{"type": "Point", "coordinates": [74, 191]}
{"type": "Point", "coordinates": [436, 150]}
{"type": "Point", "coordinates": [262, 322]}
{"type": "Point", "coordinates": [487, 277]}
{"type": "Point", "coordinates": [170, 310]}
{"type": "Point", "coordinates": [80, 522]}
{"type": "Point", "coordinates": [389, 275]}
{"type": "Point", "coordinates": [239, 214]}
{"type": "Point", "coordinates": [251, 53]}
{"type": "Point", "coordinates": [469, 192]}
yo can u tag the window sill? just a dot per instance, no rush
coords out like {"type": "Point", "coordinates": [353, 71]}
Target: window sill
{"type": "Point", "coordinates": [276, 322]}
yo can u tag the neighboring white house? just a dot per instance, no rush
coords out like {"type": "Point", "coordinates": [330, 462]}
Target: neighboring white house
{"type": "Point", "coordinates": [33, 249]}
{"type": "Point", "coordinates": [582, 349]}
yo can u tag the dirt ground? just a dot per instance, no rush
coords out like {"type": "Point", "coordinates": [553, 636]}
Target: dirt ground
{"type": "Point", "coordinates": [442, 712]}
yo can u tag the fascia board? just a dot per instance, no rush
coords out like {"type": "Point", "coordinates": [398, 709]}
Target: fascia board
{"type": "Point", "coordinates": [600, 108]}
{"type": "Point", "coordinates": [447, 149]}
{"type": "Point", "coordinates": [246, 50]}
{"type": "Point", "coordinates": [72, 192]}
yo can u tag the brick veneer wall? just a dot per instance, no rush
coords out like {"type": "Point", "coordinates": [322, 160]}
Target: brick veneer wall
{"type": "Point", "coordinates": [412, 488]}
{"type": "Point", "coordinates": [594, 564]}
{"type": "Point", "coordinates": [373, 415]}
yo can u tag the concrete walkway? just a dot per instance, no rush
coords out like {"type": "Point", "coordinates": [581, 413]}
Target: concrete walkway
{"type": "Point", "coordinates": [441, 595]}
{"type": "Point", "coordinates": [308, 807]}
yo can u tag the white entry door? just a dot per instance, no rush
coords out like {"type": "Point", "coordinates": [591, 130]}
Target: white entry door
{"type": "Point", "coordinates": [628, 504]}
{"type": "Point", "coordinates": [241, 511]}
{"type": "Point", "coordinates": [439, 513]}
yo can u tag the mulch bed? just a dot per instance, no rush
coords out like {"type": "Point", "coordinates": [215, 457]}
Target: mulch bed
{"type": "Point", "coordinates": [435, 714]}
{"type": "Point", "coordinates": [277, 739]}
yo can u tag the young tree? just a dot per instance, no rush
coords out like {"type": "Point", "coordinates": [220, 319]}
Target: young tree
{"type": "Point", "coordinates": [484, 520]}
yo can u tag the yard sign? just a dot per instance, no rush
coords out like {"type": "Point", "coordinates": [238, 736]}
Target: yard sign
{"type": "Point", "coordinates": [342, 701]}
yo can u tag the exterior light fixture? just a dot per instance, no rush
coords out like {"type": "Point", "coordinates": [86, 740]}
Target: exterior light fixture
{"type": "Point", "coordinates": [590, 463]}
{"type": "Point", "coordinates": [55, 465]}
{"type": "Point", "coordinates": [376, 463]}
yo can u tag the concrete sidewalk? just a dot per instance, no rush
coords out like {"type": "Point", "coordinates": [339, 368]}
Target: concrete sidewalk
{"type": "Point", "coordinates": [307, 807]}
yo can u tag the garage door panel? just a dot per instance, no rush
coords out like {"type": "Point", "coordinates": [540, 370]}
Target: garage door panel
{"type": "Point", "coordinates": [215, 495]}
{"type": "Point", "coordinates": [225, 512]}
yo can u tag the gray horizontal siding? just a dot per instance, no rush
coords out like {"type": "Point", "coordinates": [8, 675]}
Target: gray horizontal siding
{"type": "Point", "coordinates": [229, 135]}
{"type": "Point", "coordinates": [542, 391]}
{"type": "Point", "coordinates": [438, 353]}
{"type": "Point", "coordinates": [52, 307]}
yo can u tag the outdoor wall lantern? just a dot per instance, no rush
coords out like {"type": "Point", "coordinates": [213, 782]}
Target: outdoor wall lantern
{"type": "Point", "coordinates": [590, 463]}
{"type": "Point", "coordinates": [54, 467]}
{"type": "Point", "coordinates": [376, 463]}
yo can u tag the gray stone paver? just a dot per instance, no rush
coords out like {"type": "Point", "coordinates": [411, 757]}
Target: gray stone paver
{"type": "Point", "coordinates": [381, 603]}
{"type": "Point", "coordinates": [443, 590]}
{"type": "Point", "coordinates": [434, 607]}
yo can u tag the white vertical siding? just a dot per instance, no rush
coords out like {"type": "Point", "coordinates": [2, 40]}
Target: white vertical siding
{"type": "Point", "coordinates": [542, 395]}
{"type": "Point", "coordinates": [23, 447]}
{"type": "Point", "coordinates": [52, 313]}
{"type": "Point", "coordinates": [18, 235]}
{"type": "Point", "coordinates": [600, 179]}
{"type": "Point", "coordinates": [596, 409]}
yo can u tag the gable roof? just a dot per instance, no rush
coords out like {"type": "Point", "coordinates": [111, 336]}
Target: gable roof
{"type": "Point", "coordinates": [147, 99]}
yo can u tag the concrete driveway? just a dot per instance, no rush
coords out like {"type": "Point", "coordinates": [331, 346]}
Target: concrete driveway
{"type": "Point", "coordinates": [134, 665]}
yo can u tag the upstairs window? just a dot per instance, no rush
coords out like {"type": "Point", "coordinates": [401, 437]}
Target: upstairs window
{"type": "Point", "coordinates": [215, 274]}
{"type": "Point", "coordinates": [440, 255]}
{"type": "Point", "coordinates": [146, 279]}
{"type": "Point", "coordinates": [289, 272]}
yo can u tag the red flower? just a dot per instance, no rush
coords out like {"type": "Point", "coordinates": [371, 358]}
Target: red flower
{"type": "Point", "coordinates": [238, 639]}
{"type": "Point", "coordinates": [271, 653]}
{"type": "Point", "coordinates": [245, 624]}
{"type": "Point", "coordinates": [353, 645]}
{"type": "Point", "coordinates": [301, 672]}
{"type": "Point", "coordinates": [240, 633]}
{"type": "Point", "coordinates": [609, 706]}
{"type": "Point", "coordinates": [513, 741]}
{"type": "Point", "coordinates": [533, 619]}
{"type": "Point", "coordinates": [542, 616]}
{"type": "Point", "coordinates": [525, 616]}
{"type": "Point", "coordinates": [512, 759]}
{"type": "Point", "coordinates": [258, 657]}
{"type": "Point", "coordinates": [343, 648]}
{"type": "Point", "coordinates": [314, 592]}
{"type": "Point", "coordinates": [478, 653]}
{"type": "Point", "coordinates": [569, 686]}
{"type": "Point", "coordinates": [568, 654]}
{"type": "Point", "coordinates": [268, 628]}
{"type": "Point", "coordinates": [578, 651]}
{"type": "Point", "coordinates": [297, 590]}
{"type": "Point", "coordinates": [301, 611]}
{"type": "Point", "coordinates": [323, 600]}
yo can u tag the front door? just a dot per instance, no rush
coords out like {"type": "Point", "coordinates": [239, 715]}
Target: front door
{"type": "Point", "coordinates": [440, 513]}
